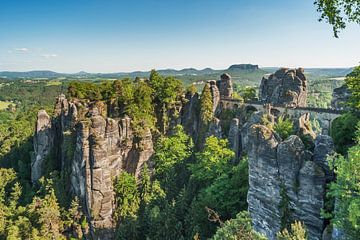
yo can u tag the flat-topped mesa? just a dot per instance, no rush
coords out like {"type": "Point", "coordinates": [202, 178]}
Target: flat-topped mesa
{"type": "Point", "coordinates": [284, 87]}
{"type": "Point", "coordinates": [248, 67]}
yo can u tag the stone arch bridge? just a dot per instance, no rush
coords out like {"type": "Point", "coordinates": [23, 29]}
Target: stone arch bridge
{"type": "Point", "coordinates": [324, 116]}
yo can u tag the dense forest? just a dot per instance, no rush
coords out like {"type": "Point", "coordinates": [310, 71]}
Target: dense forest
{"type": "Point", "coordinates": [193, 190]}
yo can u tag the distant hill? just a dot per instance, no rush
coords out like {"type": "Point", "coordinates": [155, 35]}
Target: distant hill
{"type": "Point", "coordinates": [30, 74]}
{"type": "Point", "coordinates": [247, 74]}
{"type": "Point", "coordinates": [320, 72]}
{"type": "Point", "coordinates": [243, 67]}
{"type": "Point", "coordinates": [329, 72]}
{"type": "Point", "coordinates": [166, 72]}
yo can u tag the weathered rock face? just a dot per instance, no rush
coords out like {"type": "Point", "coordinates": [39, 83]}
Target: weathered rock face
{"type": "Point", "coordinates": [234, 137]}
{"type": "Point", "coordinates": [339, 97]}
{"type": "Point", "coordinates": [190, 115]}
{"type": "Point", "coordinates": [286, 87]}
{"type": "Point", "coordinates": [225, 86]}
{"type": "Point", "coordinates": [215, 93]}
{"type": "Point", "coordinates": [304, 130]}
{"type": "Point", "coordinates": [264, 183]}
{"type": "Point", "coordinates": [214, 129]}
{"type": "Point", "coordinates": [324, 147]}
{"type": "Point", "coordinates": [286, 181]}
{"type": "Point", "coordinates": [42, 144]}
{"type": "Point", "coordinates": [139, 154]}
{"type": "Point", "coordinates": [94, 149]}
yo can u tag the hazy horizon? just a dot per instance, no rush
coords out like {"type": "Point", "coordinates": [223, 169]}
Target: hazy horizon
{"type": "Point", "coordinates": [112, 36]}
{"type": "Point", "coordinates": [169, 68]}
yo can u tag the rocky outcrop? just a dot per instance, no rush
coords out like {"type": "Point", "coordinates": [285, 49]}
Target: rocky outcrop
{"type": "Point", "coordinates": [304, 130]}
{"type": "Point", "coordinates": [340, 96]}
{"type": "Point", "coordinates": [214, 128]}
{"type": "Point", "coordinates": [93, 149]}
{"type": "Point", "coordinates": [286, 181]}
{"type": "Point", "coordinates": [104, 148]}
{"type": "Point", "coordinates": [215, 94]}
{"type": "Point", "coordinates": [264, 183]}
{"type": "Point", "coordinates": [225, 86]}
{"type": "Point", "coordinates": [190, 115]}
{"type": "Point", "coordinates": [234, 137]}
{"type": "Point", "coordinates": [285, 87]}
{"type": "Point", "coordinates": [42, 144]}
{"type": "Point", "coordinates": [324, 147]}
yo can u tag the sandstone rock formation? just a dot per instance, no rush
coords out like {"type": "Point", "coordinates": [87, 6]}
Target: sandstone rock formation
{"type": "Point", "coordinates": [286, 181]}
{"type": "Point", "coordinates": [215, 93]}
{"type": "Point", "coordinates": [93, 149]}
{"type": "Point", "coordinates": [285, 87]}
{"type": "Point", "coordinates": [324, 146]}
{"type": "Point", "coordinates": [222, 88]}
{"type": "Point", "coordinates": [234, 137]}
{"type": "Point", "coordinates": [189, 114]}
{"type": "Point", "coordinates": [214, 128]}
{"type": "Point", "coordinates": [304, 130]}
{"type": "Point", "coordinates": [42, 144]}
{"type": "Point", "coordinates": [225, 86]}
{"type": "Point", "coordinates": [339, 97]}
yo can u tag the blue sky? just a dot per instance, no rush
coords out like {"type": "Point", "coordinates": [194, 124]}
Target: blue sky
{"type": "Point", "coordinates": [113, 36]}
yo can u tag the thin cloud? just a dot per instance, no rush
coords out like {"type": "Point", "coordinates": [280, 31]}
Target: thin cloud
{"type": "Point", "coordinates": [49, 55]}
{"type": "Point", "coordinates": [22, 50]}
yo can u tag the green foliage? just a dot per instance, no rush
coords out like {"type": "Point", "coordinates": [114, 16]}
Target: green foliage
{"type": "Point", "coordinates": [319, 99]}
{"type": "Point", "coordinates": [338, 12]}
{"type": "Point", "coordinates": [46, 213]}
{"type": "Point", "coordinates": [237, 96]}
{"type": "Point", "coordinates": [284, 127]}
{"type": "Point", "coordinates": [75, 220]}
{"type": "Point", "coordinates": [343, 131]}
{"type": "Point", "coordinates": [173, 150]}
{"type": "Point", "coordinates": [145, 184]}
{"type": "Point", "coordinates": [41, 219]}
{"type": "Point", "coordinates": [141, 110]}
{"type": "Point", "coordinates": [139, 99]}
{"type": "Point", "coordinates": [166, 90]}
{"type": "Point", "coordinates": [353, 83]}
{"type": "Point", "coordinates": [297, 232]}
{"type": "Point", "coordinates": [171, 155]}
{"type": "Point", "coordinates": [268, 121]}
{"type": "Point", "coordinates": [238, 228]}
{"type": "Point", "coordinates": [191, 89]}
{"type": "Point", "coordinates": [346, 191]}
{"type": "Point", "coordinates": [126, 196]}
{"type": "Point", "coordinates": [212, 161]}
{"type": "Point", "coordinates": [248, 93]}
{"type": "Point", "coordinates": [284, 207]}
{"type": "Point", "coordinates": [206, 115]}
{"type": "Point", "coordinates": [206, 105]}
{"type": "Point", "coordinates": [315, 125]}
{"type": "Point", "coordinates": [227, 194]}
{"type": "Point", "coordinates": [85, 90]}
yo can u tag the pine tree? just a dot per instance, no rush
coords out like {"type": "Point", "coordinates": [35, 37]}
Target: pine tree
{"type": "Point", "coordinates": [126, 196]}
{"type": "Point", "coordinates": [206, 105]}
